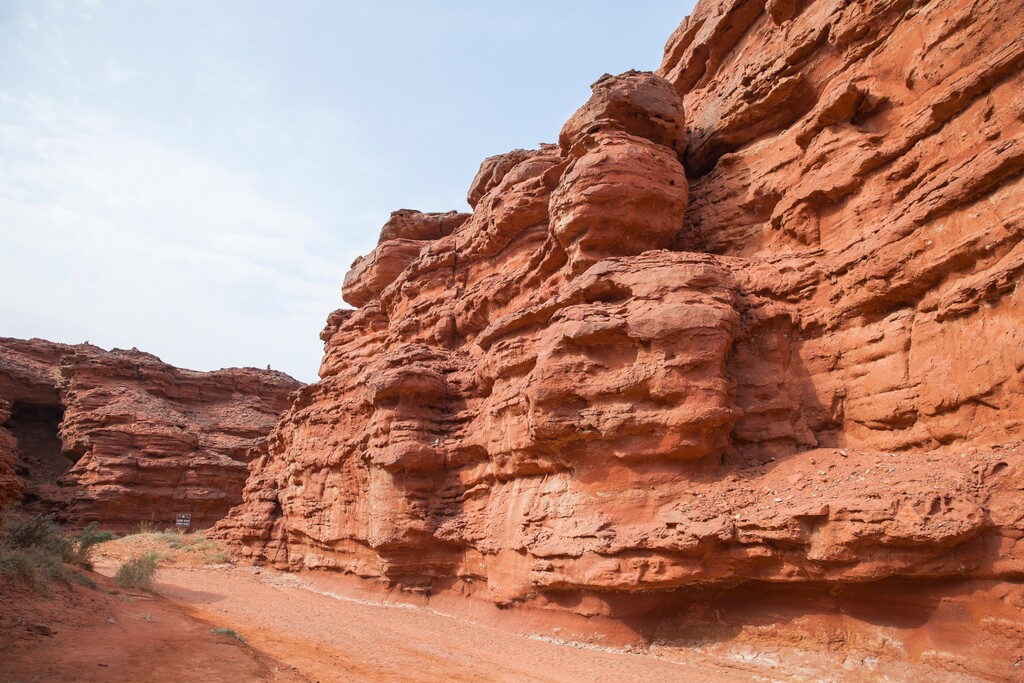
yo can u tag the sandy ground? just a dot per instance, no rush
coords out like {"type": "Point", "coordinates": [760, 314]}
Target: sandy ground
{"type": "Point", "coordinates": [308, 628]}
{"type": "Point", "coordinates": [291, 630]}
{"type": "Point", "coordinates": [106, 633]}
{"type": "Point", "coordinates": [327, 638]}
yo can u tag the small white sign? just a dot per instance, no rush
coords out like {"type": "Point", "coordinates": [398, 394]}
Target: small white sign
{"type": "Point", "coordinates": [184, 519]}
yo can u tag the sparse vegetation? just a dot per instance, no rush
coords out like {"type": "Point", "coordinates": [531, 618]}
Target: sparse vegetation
{"type": "Point", "coordinates": [217, 557]}
{"type": "Point", "coordinates": [84, 580]}
{"type": "Point", "coordinates": [179, 539]}
{"type": "Point", "coordinates": [39, 531]}
{"type": "Point", "coordinates": [145, 526]}
{"type": "Point", "coordinates": [138, 572]}
{"type": "Point", "coordinates": [178, 544]}
{"type": "Point", "coordinates": [35, 549]}
{"type": "Point", "coordinates": [31, 549]}
{"type": "Point", "coordinates": [78, 549]}
{"type": "Point", "coordinates": [230, 632]}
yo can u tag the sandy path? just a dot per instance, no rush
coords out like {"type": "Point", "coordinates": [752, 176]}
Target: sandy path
{"type": "Point", "coordinates": [325, 638]}
{"type": "Point", "coordinates": [108, 634]}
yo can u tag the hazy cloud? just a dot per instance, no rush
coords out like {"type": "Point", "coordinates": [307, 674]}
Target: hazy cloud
{"type": "Point", "coordinates": [193, 178]}
{"type": "Point", "coordinates": [145, 245]}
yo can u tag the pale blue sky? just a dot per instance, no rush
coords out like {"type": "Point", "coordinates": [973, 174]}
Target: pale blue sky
{"type": "Point", "coordinates": [194, 178]}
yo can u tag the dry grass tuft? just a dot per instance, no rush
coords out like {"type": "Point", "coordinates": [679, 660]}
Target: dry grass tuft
{"type": "Point", "coordinates": [138, 572]}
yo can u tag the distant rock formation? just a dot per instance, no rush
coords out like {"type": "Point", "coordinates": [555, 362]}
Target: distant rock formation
{"type": "Point", "coordinates": [753, 320]}
{"type": "Point", "coordinates": [120, 437]}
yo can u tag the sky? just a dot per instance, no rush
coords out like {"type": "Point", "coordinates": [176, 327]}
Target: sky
{"type": "Point", "coordinates": [194, 178]}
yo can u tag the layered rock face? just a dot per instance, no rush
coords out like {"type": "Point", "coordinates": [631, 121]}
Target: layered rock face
{"type": "Point", "coordinates": [120, 437]}
{"type": "Point", "coordinates": [754, 319]}
{"type": "Point", "coordinates": [30, 415]}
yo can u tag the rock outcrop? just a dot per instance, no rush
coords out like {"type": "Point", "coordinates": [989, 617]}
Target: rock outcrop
{"type": "Point", "coordinates": [120, 437]}
{"type": "Point", "coordinates": [30, 416]}
{"type": "Point", "coordinates": [754, 320]}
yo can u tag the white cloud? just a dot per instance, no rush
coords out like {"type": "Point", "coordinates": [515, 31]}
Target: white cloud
{"type": "Point", "coordinates": [125, 241]}
{"type": "Point", "coordinates": [170, 169]}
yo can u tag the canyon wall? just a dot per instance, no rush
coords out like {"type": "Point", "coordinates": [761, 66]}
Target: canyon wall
{"type": "Point", "coordinates": [119, 437]}
{"type": "Point", "coordinates": [752, 324]}
{"type": "Point", "coordinates": [29, 377]}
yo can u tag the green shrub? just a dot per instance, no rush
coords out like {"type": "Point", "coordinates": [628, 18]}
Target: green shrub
{"type": "Point", "coordinates": [138, 572]}
{"type": "Point", "coordinates": [31, 565]}
{"type": "Point", "coordinates": [39, 532]}
{"type": "Point", "coordinates": [91, 535]}
{"type": "Point", "coordinates": [230, 632]}
{"type": "Point", "coordinates": [16, 563]}
{"type": "Point", "coordinates": [78, 549]}
{"type": "Point", "coordinates": [31, 550]}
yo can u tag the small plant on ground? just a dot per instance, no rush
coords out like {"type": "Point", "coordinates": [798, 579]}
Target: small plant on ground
{"type": "Point", "coordinates": [217, 557]}
{"type": "Point", "coordinates": [39, 532]}
{"type": "Point", "coordinates": [227, 632]}
{"type": "Point", "coordinates": [84, 580]}
{"type": "Point", "coordinates": [78, 549]}
{"type": "Point", "coordinates": [138, 572]}
{"type": "Point", "coordinates": [31, 565]}
{"type": "Point", "coordinates": [145, 526]}
{"type": "Point", "coordinates": [31, 549]}
{"type": "Point", "coordinates": [178, 538]}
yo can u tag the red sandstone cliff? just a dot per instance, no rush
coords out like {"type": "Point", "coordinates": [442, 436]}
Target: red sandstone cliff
{"type": "Point", "coordinates": [120, 437]}
{"type": "Point", "coordinates": [30, 412]}
{"type": "Point", "coordinates": [752, 325]}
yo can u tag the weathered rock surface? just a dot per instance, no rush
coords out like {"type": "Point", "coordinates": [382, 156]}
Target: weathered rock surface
{"type": "Point", "coordinates": [30, 415]}
{"type": "Point", "coordinates": [120, 437]}
{"type": "Point", "coordinates": [754, 319]}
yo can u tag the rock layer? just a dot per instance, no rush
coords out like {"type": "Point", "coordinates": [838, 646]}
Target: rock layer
{"type": "Point", "coordinates": [754, 319]}
{"type": "Point", "coordinates": [120, 437]}
{"type": "Point", "coordinates": [29, 380]}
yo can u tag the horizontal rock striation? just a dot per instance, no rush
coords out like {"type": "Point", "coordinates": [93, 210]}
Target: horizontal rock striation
{"type": "Point", "coordinates": [754, 319]}
{"type": "Point", "coordinates": [120, 437]}
{"type": "Point", "coordinates": [30, 415]}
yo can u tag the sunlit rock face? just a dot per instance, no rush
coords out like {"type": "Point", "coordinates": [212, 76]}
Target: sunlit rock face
{"type": "Point", "coordinates": [755, 318]}
{"type": "Point", "coordinates": [121, 438]}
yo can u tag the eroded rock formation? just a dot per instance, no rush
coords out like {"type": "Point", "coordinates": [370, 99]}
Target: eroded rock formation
{"type": "Point", "coordinates": [30, 415]}
{"type": "Point", "coordinates": [120, 437]}
{"type": "Point", "coordinates": [754, 319]}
